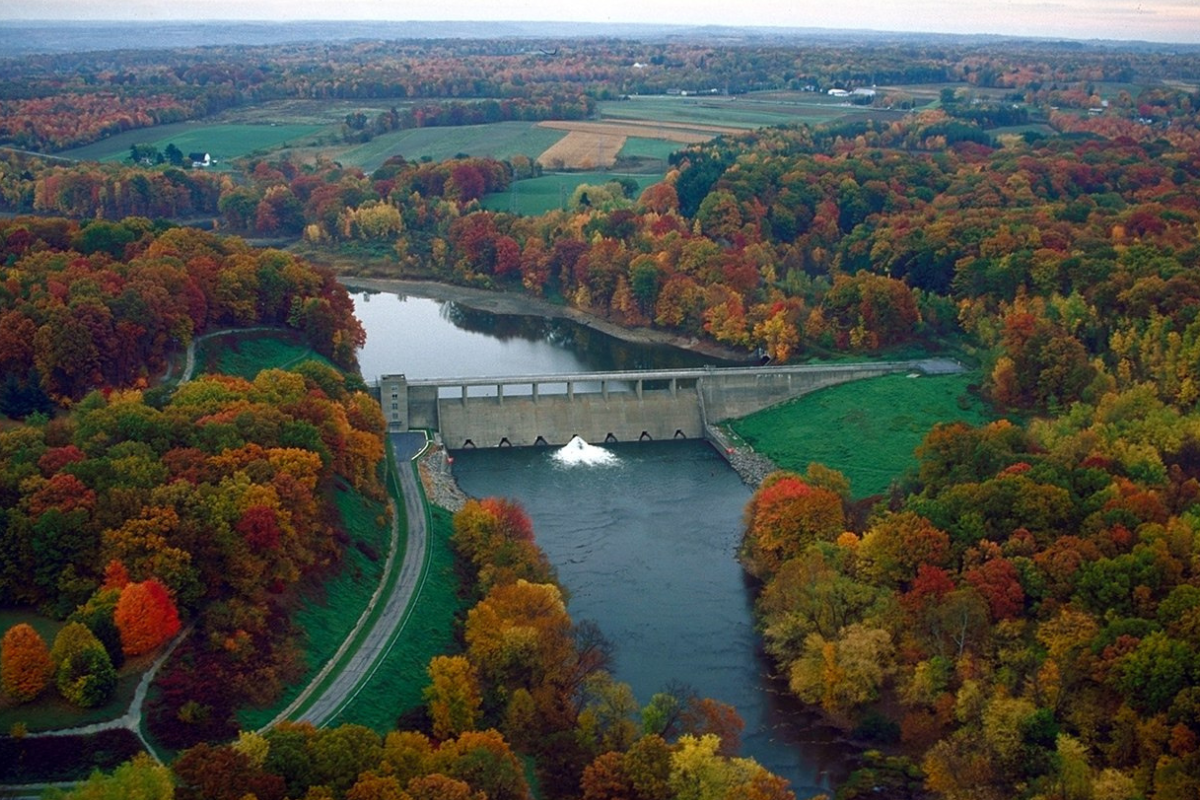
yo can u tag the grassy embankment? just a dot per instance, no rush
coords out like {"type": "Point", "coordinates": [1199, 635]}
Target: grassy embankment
{"type": "Point", "coordinates": [329, 609]}
{"type": "Point", "coordinates": [246, 354]}
{"type": "Point", "coordinates": [401, 677]}
{"type": "Point", "coordinates": [868, 429]}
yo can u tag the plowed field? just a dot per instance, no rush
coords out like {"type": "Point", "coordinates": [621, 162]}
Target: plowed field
{"type": "Point", "coordinates": [591, 145]}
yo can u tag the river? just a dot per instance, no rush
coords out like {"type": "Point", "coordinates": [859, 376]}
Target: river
{"type": "Point", "coordinates": [645, 544]}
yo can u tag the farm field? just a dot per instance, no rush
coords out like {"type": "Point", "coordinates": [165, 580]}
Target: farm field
{"type": "Point", "coordinates": [744, 111]}
{"type": "Point", "coordinates": [550, 192]}
{"type": "Point", "coordinates": [499, 140]}
{"type": "Point", "coordinates": [583, 150]}
{"type": "Point", "coordinates": [224, 142]}
{"type": "Point", "coordinates": [867, 430]}
{"type": "Point", "coordinates": [641, 147]}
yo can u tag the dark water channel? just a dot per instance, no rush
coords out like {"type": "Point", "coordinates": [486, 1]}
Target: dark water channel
{"type": "Point", "coordinates": [645, 544]}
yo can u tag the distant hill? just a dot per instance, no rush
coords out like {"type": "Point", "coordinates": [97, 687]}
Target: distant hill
{"type": "Point", "coordinates": [20, 37]}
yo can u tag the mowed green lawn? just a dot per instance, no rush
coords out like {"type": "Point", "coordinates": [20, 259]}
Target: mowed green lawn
{"type": "Point", "coordinates": [222, 142]}
{"type": "Point", "coordinates": [550, 192]}
{"type": "Point", "coordinates": [500, 140]}
{"type": "Point", "coordinates": [246, 353]}
{"type": "Point", "coordinates": [867, 430]}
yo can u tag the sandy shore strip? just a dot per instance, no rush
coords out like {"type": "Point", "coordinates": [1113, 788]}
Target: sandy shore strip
{"type": "Point", "coordinates": [512, 303]}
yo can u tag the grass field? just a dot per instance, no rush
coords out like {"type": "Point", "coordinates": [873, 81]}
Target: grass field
{"type": "Point", "coordinates": [244, 354]}
{"type": "Point", "coordinates": [329, 612]}
{"type": "Point", "coordinates": [223, 142]}
{"type": "Point", "coordinates": [641, 147]}
{"type": "Point", "coordinates": [743, 111]}
{"type": "Point", "coordinates": [550, 192]}
{"type": "Point", "coordinates": [868, 429]}
{"type": "Point", "coordinates": [499, 140]}
{"type": "Point", "coordinates": [397, 686]}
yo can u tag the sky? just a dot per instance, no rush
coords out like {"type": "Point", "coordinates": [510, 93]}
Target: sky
{"type": "Point", "coordinates": [1149, 20]}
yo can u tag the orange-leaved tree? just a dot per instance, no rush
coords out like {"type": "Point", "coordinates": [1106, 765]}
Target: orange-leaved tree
{"type": "Point", "coordinates": [784, 517]}
{"type": "Point", "coordinates": [25, 664]}
{"type": "Point", "coordinates": [145, 616]}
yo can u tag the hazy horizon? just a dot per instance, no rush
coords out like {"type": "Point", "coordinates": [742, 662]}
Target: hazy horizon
{"type": "Point", "coordinates": [1162, 21]}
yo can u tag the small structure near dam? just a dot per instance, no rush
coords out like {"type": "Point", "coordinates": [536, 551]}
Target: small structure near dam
{"type": "Point", "coordinates": [528, 410]}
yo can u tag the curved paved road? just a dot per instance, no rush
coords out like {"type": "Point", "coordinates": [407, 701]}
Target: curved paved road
{"type": "Point", "coordinates": [352, 672]}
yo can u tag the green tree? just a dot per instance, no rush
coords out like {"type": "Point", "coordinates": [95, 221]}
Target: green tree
{"type": "Point", "coordinates": [141, 778]}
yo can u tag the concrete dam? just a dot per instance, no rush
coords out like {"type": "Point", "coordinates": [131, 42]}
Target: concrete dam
{"type": "Point", "coordinates": [641, 405]}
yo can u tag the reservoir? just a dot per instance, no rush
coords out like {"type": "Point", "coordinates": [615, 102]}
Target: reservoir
{"type": "Point", "coordinates": [644, 536]}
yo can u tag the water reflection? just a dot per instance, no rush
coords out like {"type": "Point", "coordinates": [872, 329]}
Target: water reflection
{"type": "Point", "coordinates": [425, 338]}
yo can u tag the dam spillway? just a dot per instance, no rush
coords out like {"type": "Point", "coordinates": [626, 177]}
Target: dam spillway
{"type": "Point", "coordinates": [627, 406]}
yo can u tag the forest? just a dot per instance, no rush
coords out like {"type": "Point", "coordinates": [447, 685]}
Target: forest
{"type": "Point", "coordinates": [1014, 618]}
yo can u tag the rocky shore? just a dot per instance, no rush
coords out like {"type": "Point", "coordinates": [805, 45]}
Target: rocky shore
{"type": "Point", "coordinates": [750, 466]}
{"type": "Point", "coordinates": [437, 477]}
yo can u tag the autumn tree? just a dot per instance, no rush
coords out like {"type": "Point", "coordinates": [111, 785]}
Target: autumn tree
{"type": "Point", "coordinates": [145, 616]}
{"type": "Point", "coordinates": [141, 778]}
{"type": "Point", "coordinates": [453, 696]}
{"type": "Point", "coordinates": [25, 664]}
{"type": "Point", "coordinates": [784, 516]}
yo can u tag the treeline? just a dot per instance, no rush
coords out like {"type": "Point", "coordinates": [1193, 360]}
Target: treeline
{"type": "Point", "coordinates": [1064, 259]}
{"type": "Point", "coordinates": [359, 127]}
{"type": "Point", "coordinates": [52, 102]}
{"type": "Point", "coordinates": [1019, 617]}
{"type": "Point", "coordinates": [103, 305]}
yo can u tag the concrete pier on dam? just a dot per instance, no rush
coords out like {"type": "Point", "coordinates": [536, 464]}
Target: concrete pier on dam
{"type": "Point", "coordinates": [530, 410]}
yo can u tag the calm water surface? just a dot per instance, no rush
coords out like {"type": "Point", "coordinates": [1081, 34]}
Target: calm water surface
{"type": "Point", "coordinates": [646, 546]}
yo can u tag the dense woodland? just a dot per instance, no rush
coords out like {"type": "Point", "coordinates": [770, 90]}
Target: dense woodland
{"type": "Point", "coordinates": [1017, 618]}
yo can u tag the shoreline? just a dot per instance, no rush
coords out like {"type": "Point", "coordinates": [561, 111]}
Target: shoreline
{"type": "Point", "coordinates": [500, 302]}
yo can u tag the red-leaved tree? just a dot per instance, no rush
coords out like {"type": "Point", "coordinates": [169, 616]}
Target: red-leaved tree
{"type": "Point", "coordinates": [145, 616]}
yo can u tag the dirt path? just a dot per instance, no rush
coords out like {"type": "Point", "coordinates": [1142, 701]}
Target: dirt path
{"type": "Point", "coordinates": [189, 365]}
{"type": "Point", "coordinates": [513, 303]}
{"type": "Point", "coordinates": [132, 718]}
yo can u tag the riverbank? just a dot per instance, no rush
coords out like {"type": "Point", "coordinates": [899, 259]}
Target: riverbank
{"type": "Point", "coordinates": [498, 302]}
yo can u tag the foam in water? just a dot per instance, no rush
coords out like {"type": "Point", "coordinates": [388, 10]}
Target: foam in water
{"type": "Point", "coordinates": [578, 452]}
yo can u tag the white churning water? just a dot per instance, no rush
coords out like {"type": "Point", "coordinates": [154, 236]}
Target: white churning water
{"type": "Point", "coordinates": [577, 452]}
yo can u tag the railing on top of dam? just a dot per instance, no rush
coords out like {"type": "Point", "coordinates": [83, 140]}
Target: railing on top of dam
{"type": "Point", "coordinates": [928, 366]}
